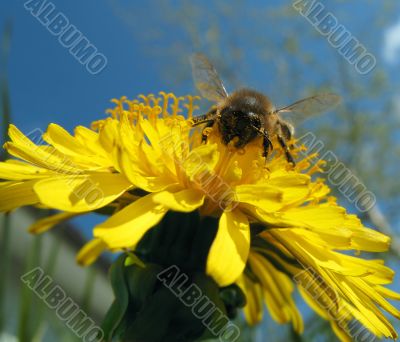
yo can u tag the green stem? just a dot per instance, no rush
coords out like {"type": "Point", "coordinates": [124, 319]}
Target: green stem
{"type": "Point", "coordinates": [5, 263]}
{"type": "Point", "coordinates": [88, 289]}
{"type": "Point", "coordinates": [40, 326]}
{"type": "Point", "coordinates": [6, 111]}
{"type": "Point", "coordinates": [6, 219]}
{"type": "Point", "coordinates": [27, 312]}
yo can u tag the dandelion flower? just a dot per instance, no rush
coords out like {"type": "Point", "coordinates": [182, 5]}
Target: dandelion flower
{"type": "Point", "coordinates": [145, 159]}
{"type": "Point", "coordinates": [139, 163]}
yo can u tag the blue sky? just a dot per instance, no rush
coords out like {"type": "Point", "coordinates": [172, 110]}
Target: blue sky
{"type": "Point", "coordinates": [48, 85]}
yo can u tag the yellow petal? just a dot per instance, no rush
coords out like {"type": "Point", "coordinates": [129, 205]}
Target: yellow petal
{"type": "Point", "coordinates": [109, 134]}
{"type": "Point", "coordinates": [49, 222]}
{"type": "Point", "coordinates": [378, 272]}
{"type": "Point", "coordinates": [330, 231]}
{"type": "Point", "coordinates": [317, 216]}
{"type": "Point", "coordinates": [387, 293]}
{"type": "Point", "coordinates": [40, 155]}
{"type": "Point", "coordinates": [370, 240]}
{"type": "Point", "coordinates": [288, 180]}
{"type": "Point", "coordinates": [253, 310]}
{"type": "Point", "coordinates": [184, 201]}
{"type": "Point", "coordinates": [127, 227]}
{"type": "Point", "coordinates": [17, 194]}
{"type": "Point", "coordinates": [261, 196]}
{"type": "Point", "coordinates": [81, 151]}
{"type": "Point", "coordinates": [312, 303]}
{"type": "Point", "coordinates": [140, 179]}
{"type": "Point", "coordinates": [278, 290]}
{"type": "Point", "coordinates": [85, 135]}
{"type": "Point", "coordinates": [295, 187]}
{"type": "Point", "coordinates": [90, 140]}
{"type": "Point", "coordinates": [90, 252]}
{"type": "Point", "coordinates": [229, 251]}
{"type": "Point", "coordinates": [200, 161]}
{"type": "Point", "coordinates": [340, 332]}
{"type": "Point", "coordinates": [152, 136]}
{"type": "Point", "coordinates": [17, 170]}
{"type": "Point", "coordinates": [372, 294]}
{"type": "Point", "coordinates": [306, 247]}
{"type": "Point", "coordinates": [172, 141]}
{"type": "Point", "coordinates": [78, 193]}
{"type": "Point", "coordinates": [63, 141]}
{"type": "Point", "coordinates": [368, 314]}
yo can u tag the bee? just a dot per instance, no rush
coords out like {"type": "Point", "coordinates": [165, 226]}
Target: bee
{"type": "Point", "coordinates": [247, 114]}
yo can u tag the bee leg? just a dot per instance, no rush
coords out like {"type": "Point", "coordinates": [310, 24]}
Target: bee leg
{"type": "Point", "coordinates": [288, 155]}
{"type": "Point", "coordinates": [201, 119]}
{"type": "Point", "coordinates": [287, 132]}
{"type": "Point", "coordinates": [267, 145]}
{"type": "Point", "coordinates": [204, 136]}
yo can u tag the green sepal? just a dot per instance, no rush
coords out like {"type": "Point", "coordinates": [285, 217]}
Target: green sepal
{"type": "Point", "coordinates": [141, 283]}
{"type": "Point", "coordinates": [154, 311]}
{"type": "Point", "coordinates": [182, 239]}
{"type": "Point", "coordinates": [133, 259]}
{"type": "Point", "coordinates": [152, 321]}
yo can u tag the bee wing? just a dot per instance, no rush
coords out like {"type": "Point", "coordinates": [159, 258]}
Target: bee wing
{"type": "Point", "coordinates": [206, 78]}
{"type": "Point", "coordinates": [311, 106]}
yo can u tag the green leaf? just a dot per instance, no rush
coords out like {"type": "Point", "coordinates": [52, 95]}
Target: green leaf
{"type": "Point", "coordinates": [117, 311]}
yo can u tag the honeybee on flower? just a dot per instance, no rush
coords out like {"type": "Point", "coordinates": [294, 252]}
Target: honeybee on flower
{"type": "Point", "coordinates": [145, 160]}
